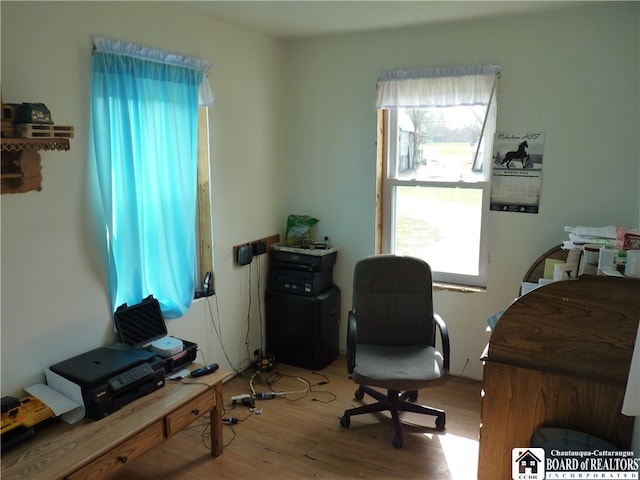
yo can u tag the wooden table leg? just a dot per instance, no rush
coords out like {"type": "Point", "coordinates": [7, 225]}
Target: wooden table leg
{"type": "Point", "coordinates": [216, 422]}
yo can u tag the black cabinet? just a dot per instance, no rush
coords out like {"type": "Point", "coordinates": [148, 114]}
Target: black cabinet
{"type": "Point", "coordinates": [303, 330]}
{"type": "Point", "coordinates": [302, 307]}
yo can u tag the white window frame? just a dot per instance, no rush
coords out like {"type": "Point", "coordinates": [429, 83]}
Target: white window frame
{"type": "Point", "coordinates": [388, 196]}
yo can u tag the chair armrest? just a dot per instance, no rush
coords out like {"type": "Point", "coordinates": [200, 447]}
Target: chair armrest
{"type": "Point", "coordinates": [351, 341]}
{"type": "Point", "coordinates": [444, 336]}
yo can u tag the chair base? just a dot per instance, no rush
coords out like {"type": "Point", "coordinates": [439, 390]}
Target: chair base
{"type": "Point", "coordinates": [394, 402]}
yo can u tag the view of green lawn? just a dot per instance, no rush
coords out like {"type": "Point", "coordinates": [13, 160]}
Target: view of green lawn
{"type": "Point", "coordinates": [440, 225]}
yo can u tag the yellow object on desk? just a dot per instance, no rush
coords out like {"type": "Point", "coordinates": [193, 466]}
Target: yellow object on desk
{"type": "Point", "coordinates": [30, 412]}
{"type": "Point", "coordinates": [99, 449]}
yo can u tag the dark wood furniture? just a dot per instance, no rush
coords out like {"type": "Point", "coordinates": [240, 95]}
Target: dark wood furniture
{"type": "Point", "coordinates": [99, 449]}
{"type": "Point", "coordinates": [536, 270]}
{"type": "Point", "coordinates": [558, 357]}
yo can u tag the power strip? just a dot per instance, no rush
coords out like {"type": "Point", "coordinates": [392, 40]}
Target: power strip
{"type": "Point", "coordinates": [239, 398]}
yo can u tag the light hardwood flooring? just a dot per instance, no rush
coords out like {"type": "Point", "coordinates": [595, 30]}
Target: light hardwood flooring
{"type": "Point", "coordinates": [298, 435]}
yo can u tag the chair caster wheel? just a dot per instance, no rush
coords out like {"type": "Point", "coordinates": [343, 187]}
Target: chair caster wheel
{"type": "Point", "coordinates": [359, 395]}
{"type": "Point", "coordinates": [398, 442]}
{"type": "Point", "coordinates": [345, 421]}
{"type": "Point", "coordinates": [440, 422]}
{"type": "Point", "coordinates": [413, 397]}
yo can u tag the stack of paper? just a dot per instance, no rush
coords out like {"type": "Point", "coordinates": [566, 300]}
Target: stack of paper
{"type": "Point", "coordinates": [579, 236]}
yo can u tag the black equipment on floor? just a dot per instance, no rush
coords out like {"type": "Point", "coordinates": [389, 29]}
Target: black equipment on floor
{"type": "Point", "coordinates": [302, 307]}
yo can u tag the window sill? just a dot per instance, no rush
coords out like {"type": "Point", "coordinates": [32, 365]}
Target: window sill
{"type": "Point", "coordinates": [452, 287]}
{"type": "Point", "coordinates": [203, 295]}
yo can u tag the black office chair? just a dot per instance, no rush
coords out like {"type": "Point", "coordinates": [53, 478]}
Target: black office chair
{"type": "Point", "coordinates": [391, 341]}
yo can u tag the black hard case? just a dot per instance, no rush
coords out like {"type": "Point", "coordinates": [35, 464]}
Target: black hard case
{"type": "Point", "coordinates": [141, 324]}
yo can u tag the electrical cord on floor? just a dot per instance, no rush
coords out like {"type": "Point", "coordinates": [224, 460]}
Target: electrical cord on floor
{"type": "Point", "coordinates": [333, 396]}
{"type": "Point", "coordinates": [205, 420]}
{"type": "Point", "coordinates": [205, 423]}
{"type": "Point", "coordinates": [205, 435]}
{"type": "Point", "coordinates": [324, 382]}
{"type": "Point", "coordinates": [271, 381]}
{"type": "Point", "coordinates": [236, 420]}
{"type": "Point", "coordinates": [231, 421]}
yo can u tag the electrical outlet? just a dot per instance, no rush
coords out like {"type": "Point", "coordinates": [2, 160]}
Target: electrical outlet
{"type": "Point", "coordinates": [245, 252]}
{"type": "Point", "coordinates": [259, 247]}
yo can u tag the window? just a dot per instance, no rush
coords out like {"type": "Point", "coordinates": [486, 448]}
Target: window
{"type": "Point", "coordinates": [144, 131]}
{"type": "Point", "coordinates": [436, 129]}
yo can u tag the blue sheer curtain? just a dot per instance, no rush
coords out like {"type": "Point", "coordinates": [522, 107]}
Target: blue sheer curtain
{"type": "Point", "coordinates": [144, 116]}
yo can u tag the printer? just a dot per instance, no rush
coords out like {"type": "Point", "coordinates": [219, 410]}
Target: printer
{"type": "Point", "coordinates": [110, 377]}
{"type": "Point", "coordinates": [301, 271]}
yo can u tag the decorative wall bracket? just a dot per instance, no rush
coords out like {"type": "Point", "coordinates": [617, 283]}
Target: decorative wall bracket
{"type": "Point", "coordinates": [21, 169]}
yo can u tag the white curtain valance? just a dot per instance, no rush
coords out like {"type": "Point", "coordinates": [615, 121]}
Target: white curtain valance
{"type": "Point", "coordinates": [437, 87]}
{"type": "Point", "coordinates": [107, 45]}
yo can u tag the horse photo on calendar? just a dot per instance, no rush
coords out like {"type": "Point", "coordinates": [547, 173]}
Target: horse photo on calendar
{"type": "Point", "coordinates": [519, 154]}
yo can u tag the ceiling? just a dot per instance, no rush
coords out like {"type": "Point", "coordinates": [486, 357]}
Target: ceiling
{"type": "Point", "coordinates": [300, 18]}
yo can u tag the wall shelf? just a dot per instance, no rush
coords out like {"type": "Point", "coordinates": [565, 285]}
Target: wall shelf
{"type": "Point", "coordinates": [21, 169]}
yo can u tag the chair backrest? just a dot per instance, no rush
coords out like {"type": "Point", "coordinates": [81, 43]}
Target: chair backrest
{"type": "Point", "coordinates": [393, 301]}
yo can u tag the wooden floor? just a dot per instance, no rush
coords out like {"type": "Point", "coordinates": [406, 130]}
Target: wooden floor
{"type": "Point", "coordinates": [298, 435]}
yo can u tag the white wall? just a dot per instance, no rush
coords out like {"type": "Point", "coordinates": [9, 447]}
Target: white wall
{"type": "Point", "coordinates": [293, 131]}
{"type": "Point", "coordinates": [54, 294]}
{"type": "Point", "coordinates": [573, 75]}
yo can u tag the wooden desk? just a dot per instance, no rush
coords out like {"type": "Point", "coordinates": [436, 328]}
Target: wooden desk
{"type": "Point", "coordinates": [558, 357]}
{"type": "Point", "coordinates": [99, 449]}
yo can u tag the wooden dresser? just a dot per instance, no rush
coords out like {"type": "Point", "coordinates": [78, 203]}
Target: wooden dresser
{"type": "Point", "coordinates": [99, 449]}
{"type": "Point", "coordinates": [558, 357]}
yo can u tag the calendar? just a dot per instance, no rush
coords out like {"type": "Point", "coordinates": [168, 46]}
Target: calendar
{"type": "Point", "coordinates": [517, 172]}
